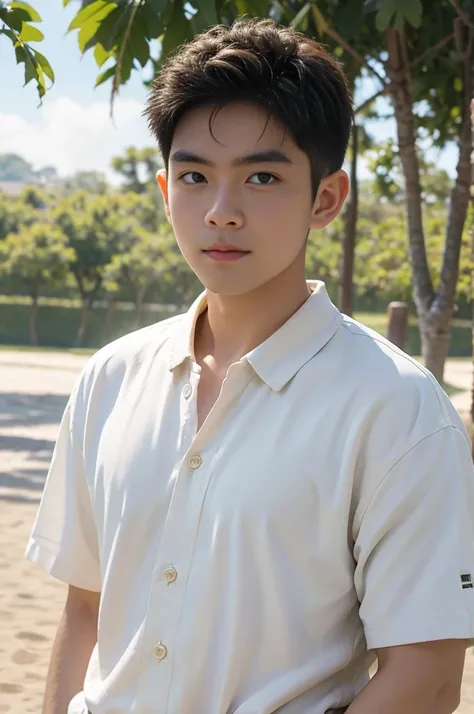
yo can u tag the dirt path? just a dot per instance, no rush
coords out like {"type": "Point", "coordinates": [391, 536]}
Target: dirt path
{"type": "Point", "coordinates": [33, 392]}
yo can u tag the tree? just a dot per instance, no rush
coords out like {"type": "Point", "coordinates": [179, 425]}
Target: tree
{"type": "Point", "coordinates": [138, 168]}
{"type": "Point", "coordinates": [145, 259]}
{"type": "Point", "coordinates": [36, 256]}
{"type": "Point", "coordinates": [434, 306]}
{"type": "Point", "coordinates": [14, 214]}
{"type": "Point", "coordinates": [90, 181]}
{"type": "Point", "coordinates": [404, 50]}
{"type": "Point", "coordinates": [15, 168]}
{"type": "Point", "coordinates": [15, 19]}
{"type": "Point", "coordinates": [91, 227]}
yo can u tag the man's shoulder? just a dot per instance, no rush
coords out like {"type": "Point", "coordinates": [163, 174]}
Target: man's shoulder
{"type": "Point", "coordinates": [129, 351]}
{"type": "Point", "coordinates": [393, 381]}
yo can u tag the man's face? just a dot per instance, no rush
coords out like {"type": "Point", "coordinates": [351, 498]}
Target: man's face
{"type": "Point", "coordinates": [239, 198]}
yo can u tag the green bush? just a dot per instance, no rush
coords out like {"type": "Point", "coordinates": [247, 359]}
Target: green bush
{"type": "Point", "coordinates": [58, 325]}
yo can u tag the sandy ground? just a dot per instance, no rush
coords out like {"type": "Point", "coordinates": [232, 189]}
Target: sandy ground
{"type": "Point", "coordinates": [33, 393]}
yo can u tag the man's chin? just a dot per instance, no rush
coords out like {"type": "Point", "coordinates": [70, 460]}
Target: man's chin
{"type": "Point", "coordinates": [228, 287]}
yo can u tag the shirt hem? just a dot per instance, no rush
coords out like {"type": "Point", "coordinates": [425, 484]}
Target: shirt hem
{"type": "Point", "coordinates": [455, 628]}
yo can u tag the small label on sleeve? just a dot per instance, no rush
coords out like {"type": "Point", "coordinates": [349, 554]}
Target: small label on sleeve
{"type": "Point", "coordinates": [466, 581]}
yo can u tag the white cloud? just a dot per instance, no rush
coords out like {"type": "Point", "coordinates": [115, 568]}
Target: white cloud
{"type": "Point", "coordinates": [73, 137]}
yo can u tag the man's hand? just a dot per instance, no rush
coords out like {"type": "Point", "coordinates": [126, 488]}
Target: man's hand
{"type": "Point", "coordinates": [422, 678]}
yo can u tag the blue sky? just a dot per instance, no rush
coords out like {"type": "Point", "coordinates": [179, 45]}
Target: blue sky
{"type": "Point", "coordinates": [72, 130]}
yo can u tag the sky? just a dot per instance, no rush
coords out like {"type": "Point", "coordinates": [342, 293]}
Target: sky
{"type": "Point", "coordinates": [72, 130]}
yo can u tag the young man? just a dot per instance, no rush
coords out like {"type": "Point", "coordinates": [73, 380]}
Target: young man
{"type": "Point", "coordinates": [253, 501]}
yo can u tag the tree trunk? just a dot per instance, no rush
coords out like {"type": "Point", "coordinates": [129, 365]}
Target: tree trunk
{"type": "Point", "coordinates": [442, 308]}
{"type": "Point", "coordinates": [472, 254]}
{"type": "Point", "coordinates": [434, 311]}
{"type": "Point", "coordinates": [346, 276]}
{"type": "Point", "coordinates": [108, 319]}
{"type": "Point", "coordinates": [34, 319]}
{"type": "Point", "coordinates": [139, 298]}
{"type": "Point", "coordinates": [86, 307]}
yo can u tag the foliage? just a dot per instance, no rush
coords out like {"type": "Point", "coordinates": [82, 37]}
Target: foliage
{"type": "Point", "coordinates": [145, 258]}
{"type": "Point", "coordinates": [90, 181]}
{"type": "Point", "coordinates": [138, 168]}
{"type": "Point", "coordinates": [37, 255]}
{"type": "Point", "coordinates": [384, 162]}
{"type": "Point", "coordinates": [14, 214]}
{"type": "Point", "coordinates": [15, 19]}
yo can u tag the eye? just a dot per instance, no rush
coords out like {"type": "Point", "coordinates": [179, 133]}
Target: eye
{"type": "Point", "coordinates": [192, 178]}
{"type": "Point", "coordinates": [262, 178]}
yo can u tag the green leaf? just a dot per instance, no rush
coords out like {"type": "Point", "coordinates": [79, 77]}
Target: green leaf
{"type": "Point", "coordinates": [319, 20]}
{"type": "Point", "coordinates": [101, 55]}
{"type": "Point", "coordinates": [44, 64]}
{"type": "Point", "coordinates": [30, 66]}
{"type": "Point", "coordinates": [178, 30]}
{"type": "Point", "coordinates": [150, 19]}
{"type": "Point", "coordinates": [97, 10]}
{"type": "Point", "coordinates": [300, 16]}
{"type": "Point", "coordinates": [108, 32]}
{"type": "Point", "coordinates": [138, 44]}
{"type": "Point", "coordinates": [412, 11]}
{"type": "Point", "coordinates": [349, 19]}
{"type": "Point", "coordinates": [15, 18]}
{"type": "Point", "coordinates": [207, 8]}
{"type": "Point", "coordinates": [33, 15]}
{"type": "Point", "coordinates": [86, 33]}
{"type": "Point", "coordinates": [104, 76]}
{"type": "Point", "coordinates": [11, 35]}
{"type": "Point", "coordinates": [157, 5]}
{"type": "Point", "coordinates": [30, 34]}
{"type": "Point", "coordinates": [384, 16]}
{"type": "Point", "coordinates": [373, 5]}
{"type": "Point", "coordinates": [254, 8]}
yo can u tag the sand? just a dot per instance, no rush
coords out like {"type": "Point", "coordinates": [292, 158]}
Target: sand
{"type": "Point", "coordinates": [33, 392]}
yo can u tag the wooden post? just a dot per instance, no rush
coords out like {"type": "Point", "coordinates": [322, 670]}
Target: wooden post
{"type": "Point", "coordinates": [398, 323]}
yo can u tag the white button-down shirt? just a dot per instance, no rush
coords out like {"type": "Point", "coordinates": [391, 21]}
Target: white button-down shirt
{"type": "Point", "coordinates": [325, 508]}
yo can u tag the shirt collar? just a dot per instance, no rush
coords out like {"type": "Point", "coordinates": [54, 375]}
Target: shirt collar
{"type": "Point", "coordinates": [285, 352]}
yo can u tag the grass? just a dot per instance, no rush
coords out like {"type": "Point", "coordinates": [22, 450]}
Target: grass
{"type": "Point", "coordinates": [63, 350]}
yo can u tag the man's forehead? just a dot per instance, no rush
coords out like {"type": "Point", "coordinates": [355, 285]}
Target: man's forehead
{"type": "Point", "coordinates": [234, 130]}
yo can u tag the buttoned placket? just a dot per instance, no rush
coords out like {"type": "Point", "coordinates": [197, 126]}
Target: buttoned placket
{"type": "Point", "coordinates": [194, 471]}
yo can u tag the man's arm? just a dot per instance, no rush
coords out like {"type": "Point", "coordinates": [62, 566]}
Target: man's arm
{"type": "Point", "coordinates": [423, 678]}
{"type": "Point", "coordinates": [75, 639]}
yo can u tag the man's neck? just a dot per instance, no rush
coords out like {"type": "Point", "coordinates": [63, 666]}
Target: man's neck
{"type": "Point", "coordinates": [234, 325]}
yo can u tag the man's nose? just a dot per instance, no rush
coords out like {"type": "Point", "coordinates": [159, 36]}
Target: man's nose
{"type": "Point", "coordinates": [224, 213]}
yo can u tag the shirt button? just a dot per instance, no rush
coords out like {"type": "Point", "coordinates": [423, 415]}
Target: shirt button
{"type": "Point", "coordinates": [187, 391]}
{"type": "Point", "coordinates": [160, 651]}
{"type": "Point", "coordinates": [195, 461]}
{"type": "Point", "coordinates": [170, 574]}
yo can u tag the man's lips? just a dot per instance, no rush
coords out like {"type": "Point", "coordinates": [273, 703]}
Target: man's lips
{"type": "Point", "coordinates": [225, 253]}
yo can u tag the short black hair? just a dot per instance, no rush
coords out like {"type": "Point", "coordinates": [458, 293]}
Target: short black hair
{"type": "Point", "coordinates": [284, 71]}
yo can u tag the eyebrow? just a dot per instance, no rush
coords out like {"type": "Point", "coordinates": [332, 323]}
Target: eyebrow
{"type": "Point", "coordinates": [181, 156]}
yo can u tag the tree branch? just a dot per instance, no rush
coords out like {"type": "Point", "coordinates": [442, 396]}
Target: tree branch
{"type": "Point", "coordinates": [350, 50]}
{"type": "Point", "coordinates": [118, 69]}
{"type": "Point", "coordinates": [430, 50]}
{"type": "Point", "coordinates": [463, 15]}
{"type": "Point", "coordinates": [368, 101]}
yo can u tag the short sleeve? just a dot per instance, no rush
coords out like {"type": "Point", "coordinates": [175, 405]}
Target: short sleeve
{"type": "Point", "coordinates": [64, 536]}
{"type": "Point", "coordinates": [414, 549]}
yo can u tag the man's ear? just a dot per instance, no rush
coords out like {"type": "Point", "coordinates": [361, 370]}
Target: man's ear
{"type": "Point", "coordinates": [332, 193]}
{"type": "Point", "coordinates": [162, 180]}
